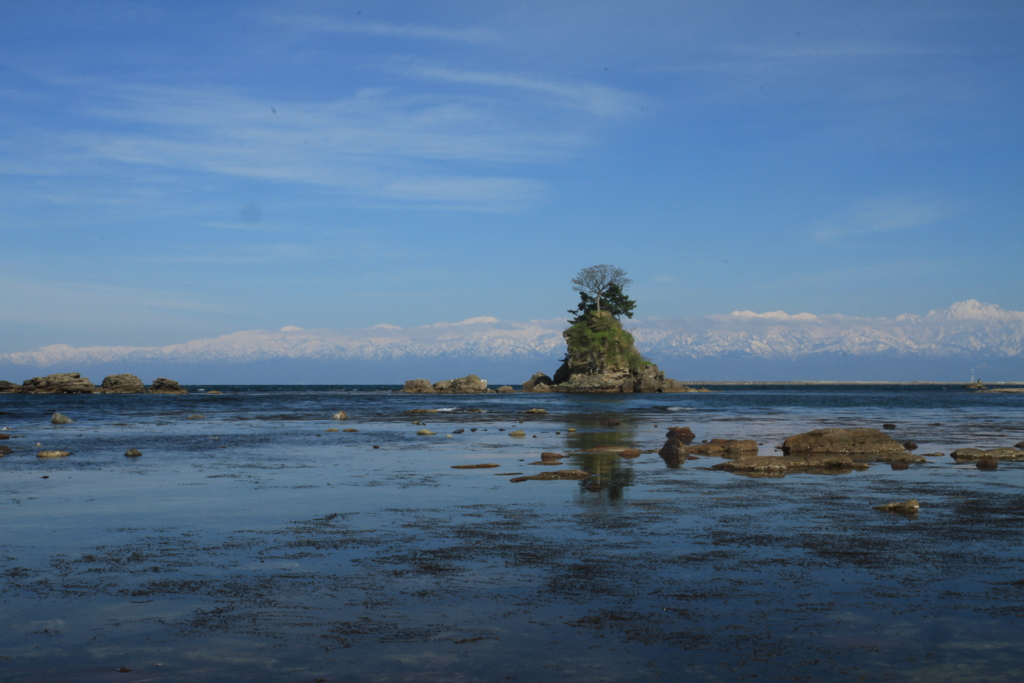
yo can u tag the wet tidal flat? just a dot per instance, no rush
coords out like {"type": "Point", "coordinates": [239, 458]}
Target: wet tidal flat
{"type": "Point", "coordinates": [248, 542]}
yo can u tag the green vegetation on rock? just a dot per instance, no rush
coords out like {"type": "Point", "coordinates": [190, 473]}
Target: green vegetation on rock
{"type": "Point", "coordinates": [598, 345]}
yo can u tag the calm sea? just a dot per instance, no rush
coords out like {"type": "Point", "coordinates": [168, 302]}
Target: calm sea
{"type": "Point", "coordinates": [256, 540]}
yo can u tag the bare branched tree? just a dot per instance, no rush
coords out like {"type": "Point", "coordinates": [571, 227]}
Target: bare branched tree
{"type": "Point", "coordinates": [597, 280]}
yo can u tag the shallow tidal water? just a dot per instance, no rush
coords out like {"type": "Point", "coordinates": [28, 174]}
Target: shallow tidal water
{"type": "Point", "coordinates": [250, 543]}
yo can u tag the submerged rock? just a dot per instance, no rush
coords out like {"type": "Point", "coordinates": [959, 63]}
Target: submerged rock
{"type": "Point", "coordinates": [59, 419]}
{"type": "Point", "coordinates": [791, 463]}
{"type": "Point", "coordinates": [425, 432]}
{"type": "Point", "coordinates": [987, 464]}
{"type": "Point", "coordinates": [573, 475]}
{"type": "Point", "coordinates": [973, 454]}
{"type": "Point", "coordinates": [535, 411]}
{"type": "Point", "coordinates": [725, 448]}
{"type": "Point", "coordinates": [517, 432]}
{"type": "Point", "coordinates": [132, 453]}
{"type": "Point", "coordinates": [481, 466]}
{"type": "Point", "coordinates": [907, 507]}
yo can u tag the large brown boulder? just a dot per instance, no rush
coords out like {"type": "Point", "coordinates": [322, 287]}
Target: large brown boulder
{"type": "Point", "coordinates": [870, 443]}
{"type": "Point", "coordinates": [60, 383]}
{"type": "Point", "coordinates": [538, 383]}
{"type": "Point", "coordinates": [470, 384]}
{"type": "Point", "coordinates": [162, 385]}
{"type": "Point", "coordinates": [418, 386]}
{"type": "Point", "coordinates": [122, 384]}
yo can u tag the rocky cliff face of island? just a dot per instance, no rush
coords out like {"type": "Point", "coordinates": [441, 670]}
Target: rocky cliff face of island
{"type": "Point", "coordinates": [602, 358]}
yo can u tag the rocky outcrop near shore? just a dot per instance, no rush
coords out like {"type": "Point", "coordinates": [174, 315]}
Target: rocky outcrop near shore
{"type": "Point", "coordinates": [470, 384]}
{"type": "Point", "coordinates": [60, 383]}
{"type": "Point", "coordinates": [122, 384]}
{"type": "Point", "coordinates": [74, 383]}
{"type": "Point", "coordinates": [539, 383]}
{"type": "Point", "coordinates": [162, 385]}
{"type": "Point", "coordinates": [602, 359]}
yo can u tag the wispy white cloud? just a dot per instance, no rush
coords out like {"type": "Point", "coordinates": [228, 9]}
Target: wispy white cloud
{"type": "Point", "coordinates": [599, 100]}
{"type": "Point", "coordinates": [375, 145]}
{"type": "Point", "coordinates": [884, 215]}
{"type": "Point", "coordinates": [322, 24]}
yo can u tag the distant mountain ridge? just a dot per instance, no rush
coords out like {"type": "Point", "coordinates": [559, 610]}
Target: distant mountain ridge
{"type": "Point", "coordinates": [944, 344]}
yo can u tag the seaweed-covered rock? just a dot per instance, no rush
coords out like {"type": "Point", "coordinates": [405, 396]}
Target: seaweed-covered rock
{"type": "Point", "coordinates": [418, 386]}
{"type": "Point", "coordinates": [975, 454]}
{"type": "Point", "coordinates": [162, 385]}
{"type": "Point", "coordinates": [861, 442]}
{"type": "Point", "coordinates": [782, 464]}
{"type": "Point", "coordinates": [554, 476]}
{"type": "Point", "coordinates": [725, 448]}
{"type": "Point", "coordinates": [122, 384]}
{"type": "Point", "coordinates": [60, 383]}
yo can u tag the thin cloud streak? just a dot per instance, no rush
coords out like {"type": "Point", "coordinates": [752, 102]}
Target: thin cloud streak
{"type": "Point", "coordinates": [597, 99]}
{"type": "Point", "coordinates": [320, 24]}
{"type": "Point", "coordinates": [884, 215]}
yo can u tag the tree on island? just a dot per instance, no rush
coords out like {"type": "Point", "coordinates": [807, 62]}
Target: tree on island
{"type": "Point", "coordinates": [596, 282]}
{"type": "Point", "coordinates": [615, 302]}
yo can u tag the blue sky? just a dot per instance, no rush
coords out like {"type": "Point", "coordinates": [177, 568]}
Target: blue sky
{"type": "Point", "coordinates": [176, 170]}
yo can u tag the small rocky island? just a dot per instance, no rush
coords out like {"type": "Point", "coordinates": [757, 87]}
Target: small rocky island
{"type": "Point", "coordinates": [74, 383]}
{"type": "Point", "coordinates": [601, 356]}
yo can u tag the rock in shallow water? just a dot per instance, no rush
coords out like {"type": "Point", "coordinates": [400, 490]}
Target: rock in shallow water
{"type": "Point", "coordinates": [53, 454]}
{"type": "Point", "coordinates": [340, 415]}
{"type": "Point", "coordinates": [973, 454]}
{"type": "Point", "coordinates": [132, 453]}
{"type": "Point", "coordinates": [572, 475]}
{"type": "Point", "coordinates": [906, 507]}
{"type": "Point", "coordinates": [59, 419]}
{"type": "Point", "coordinates": [862, 442]}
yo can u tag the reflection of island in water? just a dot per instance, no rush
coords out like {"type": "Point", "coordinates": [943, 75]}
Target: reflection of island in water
{"type": "Point", "coordinates": [597, 452]}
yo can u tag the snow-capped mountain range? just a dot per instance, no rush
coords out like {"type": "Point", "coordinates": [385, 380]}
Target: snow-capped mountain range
{"type": "Point", "coordinates": [943, 345]}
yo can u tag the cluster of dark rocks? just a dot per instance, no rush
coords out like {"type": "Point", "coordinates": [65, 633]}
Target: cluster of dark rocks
{"type": "Point", "coordinates": [470, 384]}
{"type": "Point", "coordinates": [74, 383]}
{"type": "Point", "coordinates": [819, 450]}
